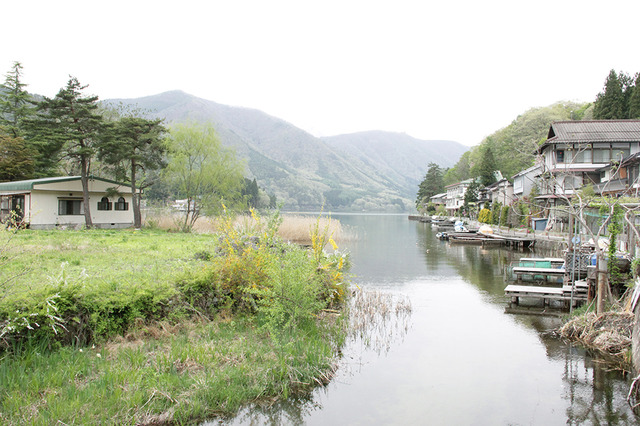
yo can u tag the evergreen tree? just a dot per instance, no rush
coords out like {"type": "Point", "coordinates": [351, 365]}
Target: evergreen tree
{"type": "Point", "coordinates": [134, 147]}
{"type": "Point", "coordinates": [486, 167]}
{"type": "Point", "coordinates": [471, 197]}
{"type": "Point", "coordinates": [634, 99]}
{"type": "Point", "coordinates": [15, 103]}
{"type": "Point", "coordinates": [72, 125]}
{"type": "Point", "coordinates": [251, 193]}
{"type": "Point", "coordinates": [609, 104]}
{"type": "Point", "coordinates": [16, 159]}
{"type": "Point", "coordinates": [432, 184]}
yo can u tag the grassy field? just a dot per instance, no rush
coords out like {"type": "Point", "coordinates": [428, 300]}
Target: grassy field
{"type": "Point", "coordinates": [154, 327]}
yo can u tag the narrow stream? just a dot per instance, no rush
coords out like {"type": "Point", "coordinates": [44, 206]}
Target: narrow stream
{"type": "Point", "coordinates": [462, 359]}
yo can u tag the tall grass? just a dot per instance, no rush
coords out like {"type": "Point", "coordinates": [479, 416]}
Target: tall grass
{"type": "Point", "coordinates": [294, 227]}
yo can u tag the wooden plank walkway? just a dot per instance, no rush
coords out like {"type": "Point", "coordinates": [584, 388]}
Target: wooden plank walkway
{"type": "Point", "coordinates": [545, 293]}
{"type": "Point", "coordinates": [513, 241]}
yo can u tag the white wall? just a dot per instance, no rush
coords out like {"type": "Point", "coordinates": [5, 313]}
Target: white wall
{"type": "Point", "coordinates": [44, 211]}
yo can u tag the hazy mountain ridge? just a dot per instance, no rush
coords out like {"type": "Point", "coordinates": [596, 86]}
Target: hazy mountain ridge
{"type": "Point", "coordinates": [372, 171]}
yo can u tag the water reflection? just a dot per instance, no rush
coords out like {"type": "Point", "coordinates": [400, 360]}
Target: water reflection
{"type": "Point", "coordinates": [462, 360]}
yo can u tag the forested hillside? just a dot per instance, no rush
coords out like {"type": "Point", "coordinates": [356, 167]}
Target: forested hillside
{"type": "Point", "coordinates": [514, 146]}
{"type": "Point", "coordinates": [371, 171]}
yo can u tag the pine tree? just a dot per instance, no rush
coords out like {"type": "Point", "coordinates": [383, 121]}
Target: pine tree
{"type": "Point", "coordinates": [71, 122]}
{"type": "Point", "coordinates": [134, 147]}
{"type": "Point", "coordinates": [471, 197]}
{"type": "Point", "coordinates": [486, 168]}
{"type": "Point", "coordinates": [15, 103]}
{"type": "Point", "coordinates": [609, 104]}
{"type": "Point", "coordinates": [16, 159]}
{"type": "Point", "coordinates": [432, 184]}
{"type": "Point", "coordinates": [634, 99]}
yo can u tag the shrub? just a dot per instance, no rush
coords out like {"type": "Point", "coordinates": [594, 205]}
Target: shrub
{"type": "Point", "coordinates": [484, 216]}
{"type": "Point", "coordinates": [504, 215]}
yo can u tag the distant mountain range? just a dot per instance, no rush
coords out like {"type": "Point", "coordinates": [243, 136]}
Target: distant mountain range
{"type": "Point", "coordinates": [367, 171]}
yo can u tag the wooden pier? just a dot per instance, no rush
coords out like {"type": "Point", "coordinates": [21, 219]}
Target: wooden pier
{"type": "Point", "coordinates": [514, 242]}
{"type": "Point", "coordinates": [549, 281]}
{"type": "Point", "coordinates": [475, 239]}
{"type": "Point", "coordinates": [547, 294]}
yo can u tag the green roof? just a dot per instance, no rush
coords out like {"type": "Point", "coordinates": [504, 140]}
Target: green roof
{"type": "Point", "coordinates": [27, 185]}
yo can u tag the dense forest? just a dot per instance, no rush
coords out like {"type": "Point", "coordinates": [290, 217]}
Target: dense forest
{"type": "Point", "coordinates": [513, 148]}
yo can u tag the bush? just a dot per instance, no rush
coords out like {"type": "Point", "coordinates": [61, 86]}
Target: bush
{"type": "Point", "coordinates": [484, 216]}
{"type": "Point", "coordinates": [496, 209]}
{"type": "Point", "coordinates": [504, 215]}
{"type": "Point", "coordinates": [285, 283]}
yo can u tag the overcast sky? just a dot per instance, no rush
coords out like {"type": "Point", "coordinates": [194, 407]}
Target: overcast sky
{"type": "Point", "coordinates": [454, 70]}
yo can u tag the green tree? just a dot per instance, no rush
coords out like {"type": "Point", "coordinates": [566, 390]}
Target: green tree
{"type": "Point", "coordinates": [609, 104]}
{"type": "Point", "coordinates": [486, 167]}
{"type": "Point", "coordinates": [461, 171]}
{"type": "Point", "coordinates": [251, 193]}
{"type": "Point", "coordinates": [634, 100]}
{"type": "Point", "coordinates": [70, 120]}
{"type": "Point", "coordinates": [16, 158]}
{"type": "Point", "coordinates": [202, 171]}
{"type": "Point", "coordinates": [134, 148]}
{"type": "Point", "coordinates": [432, 184]}
{"type": "Point", "coordinates": [15, 103]}
{"type": "Point", "coordinates": [471, 197]}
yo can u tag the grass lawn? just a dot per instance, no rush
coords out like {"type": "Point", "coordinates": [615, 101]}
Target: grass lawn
{"type": "Point", "coordinates": [143, 362]}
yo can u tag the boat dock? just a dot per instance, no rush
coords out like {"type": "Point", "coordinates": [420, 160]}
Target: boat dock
{"type": "Point", "coordinates": [515, 242]}
{"type": "Point", "coordinates": [549, 281]}
{"type": "Point", "coordinates": [548, 294]}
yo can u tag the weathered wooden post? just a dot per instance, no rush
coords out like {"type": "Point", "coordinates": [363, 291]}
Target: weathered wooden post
{"type": "Point", "coordinates": [601, 283]}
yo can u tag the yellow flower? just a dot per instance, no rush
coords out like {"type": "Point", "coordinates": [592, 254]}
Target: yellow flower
{"type": "Point", "coordinates": [333, 244]}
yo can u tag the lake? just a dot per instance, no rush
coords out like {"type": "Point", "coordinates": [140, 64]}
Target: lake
{"type": "Point", "coordinates": [459, 359]}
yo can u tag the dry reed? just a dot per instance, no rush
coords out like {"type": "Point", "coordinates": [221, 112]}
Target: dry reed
{"type": "Point", "coordinates": [294, 228]}
{"type": "Point", "coordinates": [609, 332]}
{"type": "Point", "coordinates": [377, 318]}
{"type": "Point", "coordinates": [297, 228]}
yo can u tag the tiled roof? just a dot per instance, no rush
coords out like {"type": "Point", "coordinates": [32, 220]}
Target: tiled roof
{"type": "Point", "coordinates": [594, 131]}
{"type": "Point", "coordinates": [27, 185]}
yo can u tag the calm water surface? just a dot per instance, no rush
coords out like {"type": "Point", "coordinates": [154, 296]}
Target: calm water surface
{"type": "Point", "coordinates": [463, 360]}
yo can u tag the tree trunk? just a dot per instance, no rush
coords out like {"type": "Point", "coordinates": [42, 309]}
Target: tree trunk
{"type": "Point", "coordinates": [84, 179]}
{"type": "Point", "coordinates": [135, 199]}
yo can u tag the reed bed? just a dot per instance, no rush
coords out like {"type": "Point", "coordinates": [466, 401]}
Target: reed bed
{"type": "Point", "coordinates": [295, 228]}
{"type": "Point", "coordinates": [378, 319]}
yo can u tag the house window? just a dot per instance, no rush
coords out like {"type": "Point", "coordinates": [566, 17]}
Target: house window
{"type": "Point", "coordinates": [105, 204]}
{"type": "Point", "coordinates": [70, 207]}
{"type": "Point", "coordinates": [560, 156]}
{"type": "Point", "coordinates": [583, 156]}
{"type": "Point", "coordinates": [121, 204]}
{"type": "Point", "coordinates": [601, 155]}
{"type": "Point", "coordinates": [619, 154]}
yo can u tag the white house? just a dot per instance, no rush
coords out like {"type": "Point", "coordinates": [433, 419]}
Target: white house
{"type": "Point", "coordinates": [455, 196]}
{"type": "Point", "coordinates": [57, 202]}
